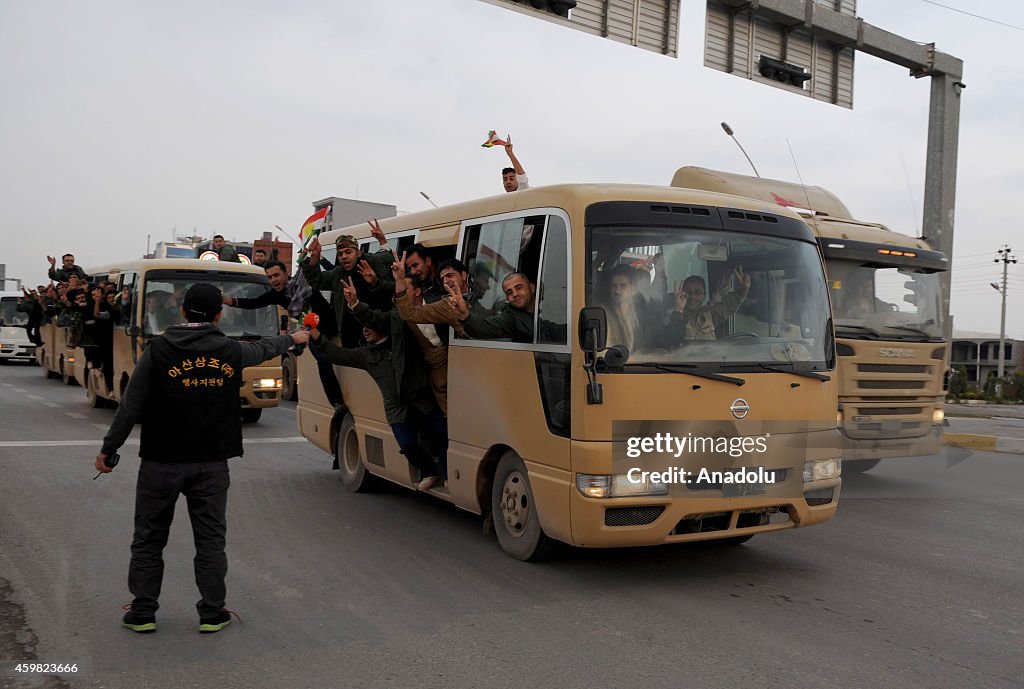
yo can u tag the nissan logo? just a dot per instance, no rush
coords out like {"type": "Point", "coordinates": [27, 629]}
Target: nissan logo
{"type": "Point", "coordinates": [740, 408]}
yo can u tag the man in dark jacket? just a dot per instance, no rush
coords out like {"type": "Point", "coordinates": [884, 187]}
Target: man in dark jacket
{"type": "Point", "coordinates": [402, 376]}
{"type": "Point", "coordinates": [184, 390]}
{"type": "Point", "coordinates": [284, 291]}
{"type": "Point", "coordinates": [371, 276]}
{"type": "Point", "coordinates": [225, 252]}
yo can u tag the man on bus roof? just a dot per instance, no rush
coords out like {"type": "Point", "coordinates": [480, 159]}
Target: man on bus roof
{"type": "Point", "coordinates": [513, 178]}
{"type": "Point", "coordinates": [67, 269]}
{"type": "Point", "coordinates": [225, 252]}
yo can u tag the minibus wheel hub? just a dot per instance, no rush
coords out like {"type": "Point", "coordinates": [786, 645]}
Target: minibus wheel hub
{"type": "Point", "coordinates": [514, 503]}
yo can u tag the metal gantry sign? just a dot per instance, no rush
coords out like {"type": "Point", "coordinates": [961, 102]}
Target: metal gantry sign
{"type": "Point", "coordinates": [780, 52]}
{"type": "Point", "coordinates": [649, 24]}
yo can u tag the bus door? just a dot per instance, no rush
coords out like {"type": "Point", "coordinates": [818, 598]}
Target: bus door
{"type": "Point", "coordinates": [126, 333]}
{"type": "Point", "coordinates": [514, 391]}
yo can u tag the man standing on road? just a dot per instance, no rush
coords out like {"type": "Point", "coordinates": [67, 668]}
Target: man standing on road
{"type": "Point", "coordinates": [184, 391]}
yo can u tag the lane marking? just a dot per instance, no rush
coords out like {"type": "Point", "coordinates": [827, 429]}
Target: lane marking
{"type": "Point", "coordinates": [130, 441]}
{"type": "Point", "coordinates": [75, 415]}
{"type": "Point", "coordinates": [51, 404]}
{"type": "Point", "coordinates": [100, 426]}
{"type": "Point", "coordinates": [19, 390]}
{"type": "Point", "coordinates": [34, 397]}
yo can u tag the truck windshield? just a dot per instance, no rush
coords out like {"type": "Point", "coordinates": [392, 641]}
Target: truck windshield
{"type": "Point", "coordinates": [716, 300]}
{"type": "Point", "coordinates": [8, 313]}
{"type": "Point", "coordinates": [165, 291]}
{"type": "Point", "coordinates": [883, 302]}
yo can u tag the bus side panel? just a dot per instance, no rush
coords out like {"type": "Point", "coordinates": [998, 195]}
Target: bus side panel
{"type": "Point", "coordinates": [314, 413]}
{"type": "Point", "coordinates": [494, 399]}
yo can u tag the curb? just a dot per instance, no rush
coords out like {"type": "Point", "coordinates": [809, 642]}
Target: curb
{"type": "Point", "coordinates": [988, 443]}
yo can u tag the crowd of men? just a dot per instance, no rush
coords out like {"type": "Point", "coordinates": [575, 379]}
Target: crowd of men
{"type": "Point", "coordinates": [88, 310]}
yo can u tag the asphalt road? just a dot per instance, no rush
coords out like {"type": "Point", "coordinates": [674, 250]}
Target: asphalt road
{"type": "Point", "coordinates": [916, 583]}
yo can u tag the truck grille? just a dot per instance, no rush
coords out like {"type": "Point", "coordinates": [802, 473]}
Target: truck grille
{"type": "Point", "coordinates": [893, 368]}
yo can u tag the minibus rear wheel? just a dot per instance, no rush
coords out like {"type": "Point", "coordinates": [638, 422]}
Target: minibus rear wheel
{"type": "Point", "coordinates": [516, 522]}
{"type": "Point", "coordinates": [354, 475]}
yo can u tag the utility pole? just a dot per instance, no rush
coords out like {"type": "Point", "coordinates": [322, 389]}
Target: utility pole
{"type": "Point", "coordinates": [1006, 259]}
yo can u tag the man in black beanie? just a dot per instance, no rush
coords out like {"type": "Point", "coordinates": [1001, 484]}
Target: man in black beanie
{"type": "Point", "coordinates": [185, 392]}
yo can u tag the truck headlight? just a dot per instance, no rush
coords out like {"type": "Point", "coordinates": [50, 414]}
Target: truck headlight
{"type": "Point", "coordinates": [822, 469]}
{"type": "Point", "coordinates": [618, 486]}
{"type": "Point", "coordinates": [938, 415]}
{"type": "Point", "coordinates": [266, 384]}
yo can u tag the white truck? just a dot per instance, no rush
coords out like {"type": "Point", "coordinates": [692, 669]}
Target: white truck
{"type": "Point", "coordinates": [14, 342]}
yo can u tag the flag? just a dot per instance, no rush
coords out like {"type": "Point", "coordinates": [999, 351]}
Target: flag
{"type": "Point", "coordinates": [313, 225]}
{"type": "Point", "coordinates": [492, 140]}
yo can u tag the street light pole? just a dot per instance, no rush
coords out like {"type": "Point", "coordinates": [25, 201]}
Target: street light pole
{"type": "Point", "coordinates": [1006, 259]}
{"type": "Point", "coordinates": [728, 130]}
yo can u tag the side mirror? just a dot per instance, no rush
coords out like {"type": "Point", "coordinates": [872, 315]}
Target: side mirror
{"type": "Point", "coordinates": [616, 356]}
{"type": "Point", "coordinates": [593, 328]}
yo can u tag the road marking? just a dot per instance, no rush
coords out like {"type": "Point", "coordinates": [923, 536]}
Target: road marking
{"type": "Point", "coordinates": [34, 397]}
{"type": "Point", "coordinates": [130, 441]}
{"type": "Point", "coordinates": [6, 385]}
{"type": "Point", "coordinates": [100, 426]}
{"type": "Point", "coordinates": [19, 390]}
{"type": "Point", "coordinates": [51, 404]}
{"type": "Point", "coordinates": [75, 415]}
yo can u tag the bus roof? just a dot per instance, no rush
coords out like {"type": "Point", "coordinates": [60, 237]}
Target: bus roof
{"type": "Point", "coordinates": [783, 193]}
{"type": "Point", "coordinates": [440, 226]}
{"type": "Point", "coordinates": [146, 264]}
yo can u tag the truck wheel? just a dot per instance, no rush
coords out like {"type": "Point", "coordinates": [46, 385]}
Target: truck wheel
{"type": "Point", "coordinates": [289, 380]}
{"type": "Point", "coordinates": [351, 469]}
{"type": "Point", "coordinates": [251, 415]}
{"type": "Point", "coordinates": [515, 514]}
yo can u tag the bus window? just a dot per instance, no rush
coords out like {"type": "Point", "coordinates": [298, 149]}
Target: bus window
{"type": "Point", "coordinates": [165, 291]}
{"type": "Point", "coordinates": [553, 290]}
{"type": "Point", "coordinates": [502, 247]}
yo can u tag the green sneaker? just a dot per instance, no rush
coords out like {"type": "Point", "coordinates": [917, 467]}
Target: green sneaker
{"type": "Point", "coordinates": [209, 625]}
{"type": "Point", "coordinates": [139, 623]}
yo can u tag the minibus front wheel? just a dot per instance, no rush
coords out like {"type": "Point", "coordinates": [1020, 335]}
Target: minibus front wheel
{"type": "Point", "coordinates": [516, 522]}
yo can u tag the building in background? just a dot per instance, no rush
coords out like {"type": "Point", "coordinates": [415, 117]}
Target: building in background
{"type": "Point", "coordinates": [978, 353]}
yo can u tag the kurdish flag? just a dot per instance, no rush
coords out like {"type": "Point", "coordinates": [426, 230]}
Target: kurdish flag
{"type": "Point", "coordinates": [313, 225]}
{"type": "Point", "coordinates": [492, 140]}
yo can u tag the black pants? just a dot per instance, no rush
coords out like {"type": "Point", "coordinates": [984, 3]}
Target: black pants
{"type": "Point", "coordinates": [434, 428]}
{"type": "Point", "coordinates": [205, 486]}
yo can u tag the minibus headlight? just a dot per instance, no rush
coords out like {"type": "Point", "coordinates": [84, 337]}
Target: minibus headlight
{"type": "Point", "coordinates": [938, 415]}
{"type": "Point", "coordinates": [618, 486]}
{"type": "Point", "coordinates": [266, 384]}
{"type": "Point", "coordinates": [822, 469]}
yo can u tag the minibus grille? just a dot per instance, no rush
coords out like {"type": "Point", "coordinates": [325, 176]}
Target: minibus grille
{"type": "Point", "coordinates": [821, 496]}
{"type": "Point", "coordinates": [632, 516]}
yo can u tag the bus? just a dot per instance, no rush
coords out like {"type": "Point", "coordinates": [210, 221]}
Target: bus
{"type": "Point", "coordinates": [153, 290]}
{"type": "Point", "coordinates": [541, 433]}
{"type": "Point", "coordinates": [14, 342]}
{"type": "Point", "coordinates": [890, 329]}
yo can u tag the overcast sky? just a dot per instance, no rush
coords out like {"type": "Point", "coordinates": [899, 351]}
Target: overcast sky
{"type": "Point", "coordinates": [126, 119]}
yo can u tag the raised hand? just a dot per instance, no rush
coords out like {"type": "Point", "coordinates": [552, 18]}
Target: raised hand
{"type": "Point", "coordinates": [398, 268]}
{"type": "Point", "coordinates": [743, 279]}
{"type": "Point", "coordinates": [314, 250]}
{"type": "Point", "coordinates": [366, 270]}
{"type": "Point", "coordinates": [457, 301]}
{"type": "Point", "coordinates": [377, 233]}
{"type": "Point", "coordinates": [52, 260]}
{"type": "Point", "coordinates": [681, 297]}
{"type": "Point", "coordinates": [349, 290]}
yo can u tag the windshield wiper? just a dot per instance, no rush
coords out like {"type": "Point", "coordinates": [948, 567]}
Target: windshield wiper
{"type": "Point", "coordinates": [806, 374]}
{"type": "Point", "coordinates": [850, 326]}
{"type": "Point", "coordinates": [689, 370]}
{"type": "Point", "coordinates": [912, 329]}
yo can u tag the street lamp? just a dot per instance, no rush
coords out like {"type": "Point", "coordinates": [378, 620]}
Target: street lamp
{"type": "Point", "coordinates": [728, 130]}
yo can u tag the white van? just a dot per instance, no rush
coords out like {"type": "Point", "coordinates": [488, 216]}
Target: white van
{"type": "Point", "coordinates": [14, 342]}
